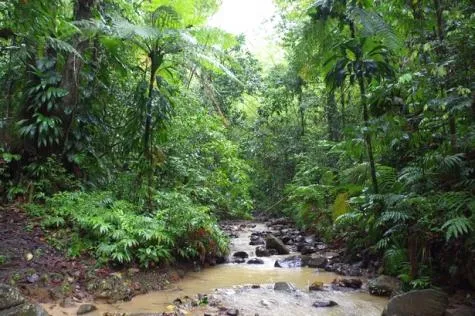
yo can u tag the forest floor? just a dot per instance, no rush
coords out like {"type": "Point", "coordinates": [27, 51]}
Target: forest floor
{"type": "Point", "coordinates": [30, 262]}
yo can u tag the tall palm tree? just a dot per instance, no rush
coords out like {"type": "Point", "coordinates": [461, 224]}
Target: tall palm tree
{"type": "Point", "coordinates": [362, 61]}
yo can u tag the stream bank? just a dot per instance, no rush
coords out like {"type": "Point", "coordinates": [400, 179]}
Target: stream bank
{"type": "Point", "coordinates": [307, 277]}
{"type": "Point", "coordinates": [249, 286]}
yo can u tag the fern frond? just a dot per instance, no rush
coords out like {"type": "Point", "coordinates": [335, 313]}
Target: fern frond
{"type": "Point", "coordinates": [455, 202]}
{"type": "Point", "coordinates": [394, 216]}
{"type": "Point", "coordinates": [374, 25]}
{"type": "Point", "coordinates": [457, 227]}
{"type": "Point", "coordinates": [60, 45]}
{"type": "Point", "coordinates": [387, 177]}
{"type": "Point", "coordinates": [453, 162]}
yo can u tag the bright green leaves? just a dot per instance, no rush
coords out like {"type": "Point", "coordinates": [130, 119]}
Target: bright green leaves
{"type": "Point", "coordinates": [117, 232]}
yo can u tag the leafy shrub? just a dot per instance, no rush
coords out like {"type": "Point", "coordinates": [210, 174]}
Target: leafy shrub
{"type": "Point", "coordinates": [116, 231]}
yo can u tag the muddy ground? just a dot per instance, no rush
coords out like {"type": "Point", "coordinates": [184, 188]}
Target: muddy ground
{"type": "Point", "coordinates": [46, 274]}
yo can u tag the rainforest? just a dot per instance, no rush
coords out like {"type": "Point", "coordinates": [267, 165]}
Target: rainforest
{"type": "Point", "coordinates": [153, 163]}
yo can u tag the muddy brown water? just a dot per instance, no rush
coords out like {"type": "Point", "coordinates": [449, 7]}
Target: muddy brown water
{"type": "Point", "coordinates": [228, 283]}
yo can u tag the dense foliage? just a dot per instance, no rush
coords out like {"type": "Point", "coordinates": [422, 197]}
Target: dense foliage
{"type": "Point", "coordinates": [113, 100]}
{"type": "Point", "coordinates": [132, 127]}
{"type": "Point", "coordinates": [366, 136]}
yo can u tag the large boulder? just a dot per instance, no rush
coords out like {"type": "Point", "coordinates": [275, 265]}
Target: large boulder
{"type": "Point", "coordinates": [418, 303]}
{"type": "Point", "coordinates": [289, 262]}
{"type": "Point", "coordinates": [12, 303]}
{"type": "Point", "coordinates": [273, 242]}
{"type": "Point", "coordinates": [384, 285]}
{"type": "Point", "coordinates": [314, 261]}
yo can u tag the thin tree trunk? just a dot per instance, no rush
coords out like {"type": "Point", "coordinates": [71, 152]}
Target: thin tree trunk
{"type": "Point", "coordinates": [302, 115]}
{"type": "Point", "coordinates": [156, 61]}
{"type": "Point", "coordinates": [367, 135]}
{"type": "Point", "coordinates": [332, 120]}
{"type": "Point", "coordinates": [343, 105]}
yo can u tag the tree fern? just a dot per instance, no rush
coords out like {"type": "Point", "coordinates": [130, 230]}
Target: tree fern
{"type": "Point", "coordinates": [374, 25]}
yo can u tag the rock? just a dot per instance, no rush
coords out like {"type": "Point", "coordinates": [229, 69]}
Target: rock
{"type": "Point", "coordinates": [289, 262]}
{"type": "Point", "coordinates": [418, 303]}
{"type": "Point", "coordinates": [348, 283]}
{"type": "Point", "coordinates": [241, 254]}
{"type": "Point", "coordinates": [331, 255]}
{"type": "Point", "coordinates": [273, 243]}
{"type": "Point", "coordinates": [255, 261]}
{"type": "Point", "coordinates": [306, 250]}
{"type": "Point", "coordinates": [133, 271]}
{"type": "Point", "coordinates": [67, 302]}
{"type": "Point", "coordinates": [287, 240]}
{"type": "Point", "coordinates": [314, 261]}
{"type": "Point", "coordinates": [33, 278]}
{"type": "Point", "coordinates": [239, 260]}
{"type": "Point", "coordinates": [257, 237]}
{"type": "Point", "coordinates": [232, 312]}
{"type": "Point", "coordinates": [302, 245]}
{"type": "Point", "coordinates": [10, 297]}
{"type": "Point", "coordinates": [316, 286]}
{"type": "Point", "coordinates": [86, 308]}
{"type": "Point", "coordinates": [320, 246]}
{"type": "Point", "coordinates": [344, 269]}
{"type": "Point", "coordinates": [24, 310]}
{"type": "Point", "coordinates": [221, 259]}
{"type": "Point", "coordinates": [12, 303]}
{"type": "Point", "coordinates": [257, 241]}
{"type": "Point", "coordinates": [261, 251]}
{"type": "Point", "coordinates": [384, 285]}
{"type": "Point", "coordinates": [329, 303]}
{"type": "Point", "coordinates": [460, 311]}
{"type": "Point", "coordinates": [284, 287]}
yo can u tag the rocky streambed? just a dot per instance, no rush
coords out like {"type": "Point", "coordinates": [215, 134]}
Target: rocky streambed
{"type": "Point", "coordinates": [275, 269]}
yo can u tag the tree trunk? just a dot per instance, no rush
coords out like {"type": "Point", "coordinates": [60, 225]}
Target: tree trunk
{"type": "Point", "coordinates": [367, 135]}
{"type": "Point", "coordinates": [83, 10]}
{"type": "Point", "coordinates": [343, 105]}
{"type": "Point", "coordinates": [156, 58]}
{"type": "Point", "coordinates": [301, 114]}
{"type": "Point", "coordinates": [331, 114]}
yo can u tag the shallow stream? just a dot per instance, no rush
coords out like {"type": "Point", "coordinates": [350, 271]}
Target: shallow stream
{"type": "Point", "coordinates": [227, 283]}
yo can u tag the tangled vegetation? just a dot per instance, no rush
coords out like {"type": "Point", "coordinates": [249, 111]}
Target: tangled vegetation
{"type": "Point", "coordinates": [131, 127]}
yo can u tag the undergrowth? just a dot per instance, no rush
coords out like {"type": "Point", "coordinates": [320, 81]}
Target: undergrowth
{"type": "Point", "coordinates": [116, 231]}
